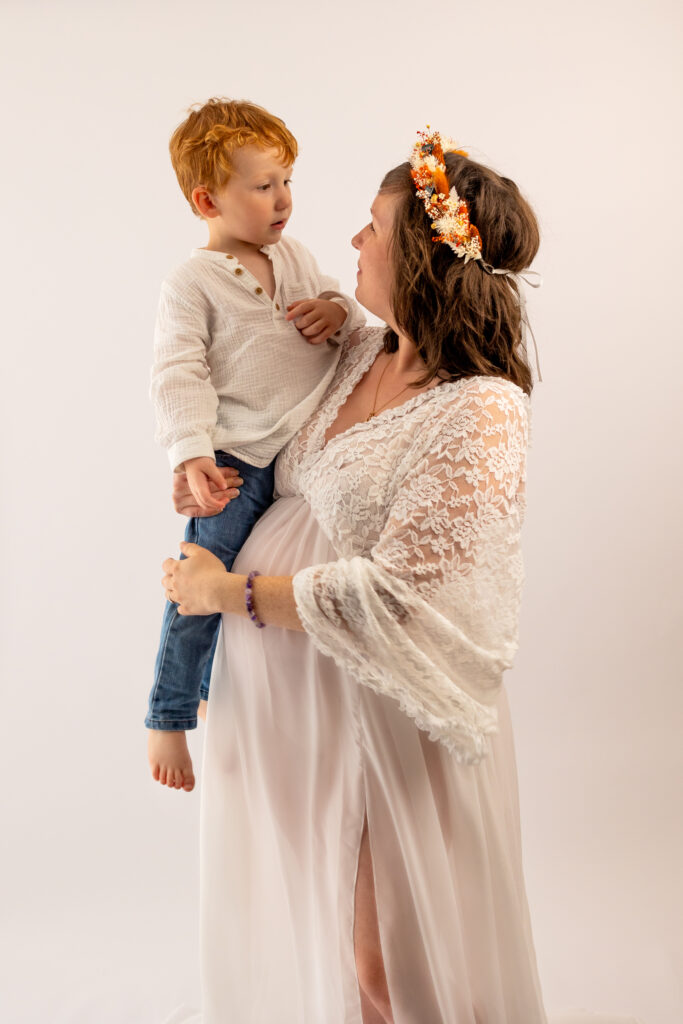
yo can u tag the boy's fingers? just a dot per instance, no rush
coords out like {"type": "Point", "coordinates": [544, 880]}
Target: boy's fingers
{"type": "Point", "coordinates": [298, 309]}
{"type": "Point", "coordinates": [307, 317]}
{"type": "Point", "coordinates": [316, 327]}
{"type": "Point", "coordinates": [215, 474]}
{"type": "Point", "coordinates": [196, 492]}
{"type": "Point", "coordinates": [204, 496]}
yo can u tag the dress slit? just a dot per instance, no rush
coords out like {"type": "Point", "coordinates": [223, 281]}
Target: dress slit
{"type": "Point", "coordinates": [373, 1014]}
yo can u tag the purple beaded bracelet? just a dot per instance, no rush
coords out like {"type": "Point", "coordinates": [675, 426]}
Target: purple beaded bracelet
{"type": "Point", "coordinates": [249, 599]}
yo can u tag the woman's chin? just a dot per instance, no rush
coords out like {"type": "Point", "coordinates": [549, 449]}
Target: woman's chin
{"type": "Point", "coordinates": [358, 293]}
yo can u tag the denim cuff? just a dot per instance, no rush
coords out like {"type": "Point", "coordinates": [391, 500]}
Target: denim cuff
{"type": "Point", "coordinates": [165, 725]}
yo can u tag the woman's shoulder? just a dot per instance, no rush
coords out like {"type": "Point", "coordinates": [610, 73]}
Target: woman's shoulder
{"type": "Point", "coordinates": [484, 392]}
{"type": "Point", "coordinates": [478, 406]}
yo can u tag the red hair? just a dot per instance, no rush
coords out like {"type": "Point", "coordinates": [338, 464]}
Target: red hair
{"type": "Point", "coordinates": [201, 147]}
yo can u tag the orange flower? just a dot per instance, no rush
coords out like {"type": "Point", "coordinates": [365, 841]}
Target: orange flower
{"type": "Point", "coordinates": [440, 181]}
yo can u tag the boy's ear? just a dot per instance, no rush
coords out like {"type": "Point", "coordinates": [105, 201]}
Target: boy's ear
{"type": "Point", "coordinates": [203, 202]}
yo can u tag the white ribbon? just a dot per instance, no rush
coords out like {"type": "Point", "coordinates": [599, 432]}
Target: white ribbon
{"type": "Point", "coordinates": [534, 279]}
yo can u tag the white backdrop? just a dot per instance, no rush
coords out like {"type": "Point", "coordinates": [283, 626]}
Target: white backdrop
{"type": "Point", "coordinates": [580, 103]}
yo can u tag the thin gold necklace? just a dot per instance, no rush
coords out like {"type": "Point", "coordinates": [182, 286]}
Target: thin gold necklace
{"type": "Point", "coordinates": [375, 410]}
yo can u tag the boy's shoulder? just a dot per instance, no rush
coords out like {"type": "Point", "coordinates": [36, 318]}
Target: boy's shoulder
{"type": "Point", "coordinates": [187, 273]}
{"type": "Point", "coordinates": [294, 252]}
{"type": "Point", "coordinates": [195, 281]}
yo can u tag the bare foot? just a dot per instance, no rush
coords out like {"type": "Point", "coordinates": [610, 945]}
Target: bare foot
{"type": "Point", "coordinates": [169, 759]}
{"type": "Point", "coordinates": [201, 710]}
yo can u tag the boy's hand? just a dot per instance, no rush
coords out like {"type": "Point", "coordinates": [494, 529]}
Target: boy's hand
{"type": "Point", "coordinates": [201, 473]}
{"type": "Point", "coordinates": [317, 319]}
{"type": "Point", "coordinates": [184, 501]}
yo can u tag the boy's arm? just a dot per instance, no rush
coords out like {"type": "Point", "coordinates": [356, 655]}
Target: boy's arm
{"type": "Point", "coordinates": [185, 402]}
{"type": "Point", "coordinates": [327, 288]}
{"type": "Point", "coordinates": [355, 317]}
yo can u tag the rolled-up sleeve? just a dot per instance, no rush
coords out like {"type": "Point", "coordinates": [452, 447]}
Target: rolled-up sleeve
{"type": "Point", "coordinates": [185, 402]}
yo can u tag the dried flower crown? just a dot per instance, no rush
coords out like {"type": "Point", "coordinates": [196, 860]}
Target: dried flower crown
{"type": "Point", "coordinates": [448, 212]}
{"type": "Point", "coordinates": [450, 217]}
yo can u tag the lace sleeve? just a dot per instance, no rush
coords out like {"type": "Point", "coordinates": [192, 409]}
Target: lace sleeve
{"type": "Point", "coordinates": [430, 617]}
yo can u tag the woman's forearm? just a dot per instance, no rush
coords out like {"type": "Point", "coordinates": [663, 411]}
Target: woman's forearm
{"type": "Point", "coordinates": [272, 599]}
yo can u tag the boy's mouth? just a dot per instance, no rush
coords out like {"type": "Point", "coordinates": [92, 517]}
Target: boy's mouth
{"type": "Point", "coordinates": [278, 224]}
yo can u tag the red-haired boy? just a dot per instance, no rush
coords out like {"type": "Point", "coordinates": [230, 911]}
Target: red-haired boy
{"type": "Point", "coordinates": [238, 368]}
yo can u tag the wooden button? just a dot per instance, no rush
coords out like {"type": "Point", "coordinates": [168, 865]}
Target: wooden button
{"type": "Point", "coordinates": [238, 270]}
{"type": "Point", "coordinates": [277, 306]}
{"type": "Point", "coordinates": [229, 256]}
{"type": "Point", "coordinates": [258, 290]}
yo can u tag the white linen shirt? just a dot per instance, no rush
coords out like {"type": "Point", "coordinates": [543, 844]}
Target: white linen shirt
{"type": "Point", "coordinates": [230, 373]}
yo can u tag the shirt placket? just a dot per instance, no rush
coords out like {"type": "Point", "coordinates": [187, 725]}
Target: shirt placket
{"type": "Point", "coordinates": [250, 283]}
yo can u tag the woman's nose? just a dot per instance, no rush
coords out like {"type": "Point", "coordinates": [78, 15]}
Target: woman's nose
{"type": "Point", "coordinates": [355, 241]}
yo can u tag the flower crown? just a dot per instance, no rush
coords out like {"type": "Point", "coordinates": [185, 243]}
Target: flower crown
{"type": "Point", "coordinates": [448, 212]}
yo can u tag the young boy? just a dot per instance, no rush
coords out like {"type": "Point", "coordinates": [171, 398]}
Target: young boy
{"type": "Point", "coordinates": [238, 367]}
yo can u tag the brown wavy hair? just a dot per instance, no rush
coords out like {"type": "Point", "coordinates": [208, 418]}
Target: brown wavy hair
{"type": "Point", "coordinates": [201, 147]}
{"type": "Point", "coordinates": [464, 321]}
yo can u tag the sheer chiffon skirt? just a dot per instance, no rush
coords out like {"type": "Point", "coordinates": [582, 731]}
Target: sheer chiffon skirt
{"type": "Point", "coordinates": [296, 754]}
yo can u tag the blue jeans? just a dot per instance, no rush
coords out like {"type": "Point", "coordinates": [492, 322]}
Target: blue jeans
{"type": "Point", "coordinates": [183, 665]}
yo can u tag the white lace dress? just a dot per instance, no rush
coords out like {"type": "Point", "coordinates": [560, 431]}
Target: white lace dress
{"type": "Point", "coordinates": [403, 534]}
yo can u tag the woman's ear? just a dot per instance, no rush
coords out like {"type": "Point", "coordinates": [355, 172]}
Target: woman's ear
{"type": "Point", "coordinates": [203, 202]}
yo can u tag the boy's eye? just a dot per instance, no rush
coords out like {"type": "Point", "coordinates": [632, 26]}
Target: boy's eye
{"type": "Point", "coordinates": [262, 188]}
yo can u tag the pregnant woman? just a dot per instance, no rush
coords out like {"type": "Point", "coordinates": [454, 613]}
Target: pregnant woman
{"type": "Point", "coordinates": [360, 845]}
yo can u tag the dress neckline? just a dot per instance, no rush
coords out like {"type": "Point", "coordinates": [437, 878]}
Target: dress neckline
{"type": "Point", "coordinates": [367, 357]}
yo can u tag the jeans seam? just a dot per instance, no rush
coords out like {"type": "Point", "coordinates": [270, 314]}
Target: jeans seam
{"type": "Point", "coordinates": [162, 656]}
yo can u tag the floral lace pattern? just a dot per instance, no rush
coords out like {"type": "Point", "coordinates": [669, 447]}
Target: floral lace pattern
{"type": "Point", "coordinates": [424, 505]}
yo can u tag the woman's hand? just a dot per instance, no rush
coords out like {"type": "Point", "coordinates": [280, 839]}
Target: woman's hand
{"type": "Point", "coordinates": [186, 504]}
{"type": "Point", "coordinates": [195, 583]}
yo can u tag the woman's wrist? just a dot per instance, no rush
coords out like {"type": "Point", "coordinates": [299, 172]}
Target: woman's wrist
{"type": "Point", "coordinates": [230, 597]}
{"type": "Point", "coordinates": [272, 599]}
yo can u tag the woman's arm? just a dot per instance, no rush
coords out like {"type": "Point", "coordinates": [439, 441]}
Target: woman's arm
{"type": "Point", "coordinates": [200, 585]}
{"type": "Point", "coordinates": [430, 617]}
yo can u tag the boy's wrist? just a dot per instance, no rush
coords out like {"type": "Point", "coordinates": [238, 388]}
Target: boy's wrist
{"type": "Point", "coordinates": [342, 306]}
{"type": "Point", "coordinates": [197, 459]}
{"type": "Point", "coordinates": [196, 447]}
{"type": "Point", "coordinates": [338, 300]}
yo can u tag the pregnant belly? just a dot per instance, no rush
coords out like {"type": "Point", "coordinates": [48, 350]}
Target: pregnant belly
{"type": "Point", "coordinates": [285, 539]}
